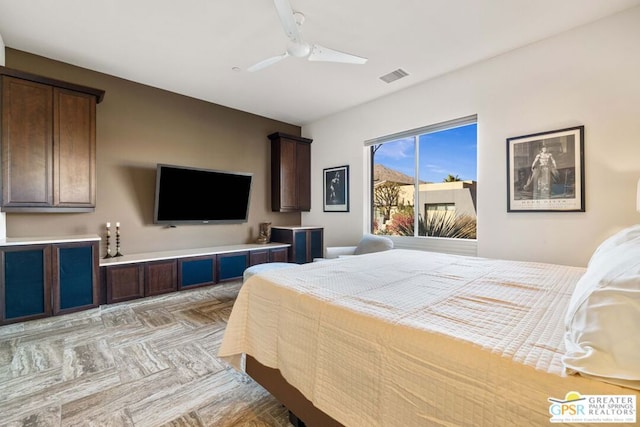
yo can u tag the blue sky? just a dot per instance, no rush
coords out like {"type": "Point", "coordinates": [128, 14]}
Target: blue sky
{"type": "Point", "coordinates": [452, 151]}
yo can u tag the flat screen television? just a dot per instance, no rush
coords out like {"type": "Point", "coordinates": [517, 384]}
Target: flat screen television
{"type": "Point", "coordinates": [186, 195]}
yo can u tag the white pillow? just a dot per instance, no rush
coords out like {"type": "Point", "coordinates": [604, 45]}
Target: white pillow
{"type": "Point", "coordinates": [622, 236]}
{"type": "Point", "coordinates": [601, 335]}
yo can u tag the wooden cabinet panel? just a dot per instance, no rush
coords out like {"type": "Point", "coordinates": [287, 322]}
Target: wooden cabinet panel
{"type": "Point", "coordinates": [160, 277]}
{"type": "Point", "coordinates": [290, 173]}
{"type": "Point", "coordinates": [279, 255]}
{"type": "Point", "coordinates": [303, 166]}
{"type": "Point", "coordinates": [74, 149]}
{"type": "Point", "coordinates": [288, 193]}
{"type": "Point", "coordinates": [258, 257]}
{"type": "Point", "coordinates": [48, 144]}
{"type": "Point", "coordinates": [124, 282]}
{"type": "Point", "coordinates": [27, 147]}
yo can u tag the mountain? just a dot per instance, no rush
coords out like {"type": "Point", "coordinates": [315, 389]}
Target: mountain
{"type": "Point", "coordinates": [383, 173]}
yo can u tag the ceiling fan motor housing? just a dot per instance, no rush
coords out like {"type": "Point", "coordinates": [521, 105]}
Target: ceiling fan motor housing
{"type": "Point", "coordinates": [299, 50]}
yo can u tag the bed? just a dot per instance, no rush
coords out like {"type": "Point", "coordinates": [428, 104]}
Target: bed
{"type": "Point", "coordinates": [418, 338]}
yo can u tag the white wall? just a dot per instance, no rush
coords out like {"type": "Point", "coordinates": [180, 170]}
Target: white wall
{"type": "Point", "coordinates": [587, 76]}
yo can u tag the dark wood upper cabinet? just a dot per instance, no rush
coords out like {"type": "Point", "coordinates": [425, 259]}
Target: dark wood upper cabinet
{"type": "Point", "coordinates": [74, 149]}
{"type": "Point", "coordinates": [48, 144]}
{"type": "Point", "coordinates": [290, 173]}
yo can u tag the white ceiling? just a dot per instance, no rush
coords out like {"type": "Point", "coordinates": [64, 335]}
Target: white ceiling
{"type": "Point", "coordinates": [192, 46]}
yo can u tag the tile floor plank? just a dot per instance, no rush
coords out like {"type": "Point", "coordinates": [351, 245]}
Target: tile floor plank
{"type": "Point", "coordinates": [150, 362]}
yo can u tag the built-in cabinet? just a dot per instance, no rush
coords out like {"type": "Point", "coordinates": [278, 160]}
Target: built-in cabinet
{"type": "Point", "coordinates": [48, 144]}
{"type": "Point", "coordinates": [123, 282]}
{"type": "Point", "coordinates": [196, 271]}
{"type": "Point", "coordinates": [271, 255]}
{"type": "Point", "coordinates": [44, 279]}
{"type": "Point", "coordinates": [307, 243]}
{"type": "Point", "coordinates": [290, 173]}
{"type": "Point", "coordinates": [232, 265]}
{"type": "Point", "coordinates": [160, 277]}
{"type": "Point", "coordinates": [136, 276]}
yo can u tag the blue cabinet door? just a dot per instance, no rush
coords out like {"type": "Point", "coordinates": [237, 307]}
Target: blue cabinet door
{"type": "Point", "coordinates": [300, 246]}
{"type": "Point", "coordinates": [75, 276]}
{"type": "Point", "coordinates": [317, 246]}
{"type": "Point", "coordinates": [26, 283]}
{"type": "Point", "coordinates": [197, 271]}
{"type": "Point", "coordinates": [232, 265]}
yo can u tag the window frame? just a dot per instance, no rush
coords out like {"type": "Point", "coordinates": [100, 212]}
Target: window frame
{"type": "Point", "coordinates": [438, 244]}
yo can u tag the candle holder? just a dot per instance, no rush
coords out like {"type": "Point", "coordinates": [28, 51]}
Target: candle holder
{"type": "Point", "coordinates": [118, 253]}
{"type": "Point", "coordinates": [108, 255]}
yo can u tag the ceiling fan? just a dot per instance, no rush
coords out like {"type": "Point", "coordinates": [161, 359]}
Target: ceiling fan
{"type": "Point", "coordinates": [297, 47]}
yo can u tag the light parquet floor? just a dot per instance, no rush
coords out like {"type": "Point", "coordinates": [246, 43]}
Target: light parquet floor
{"type": "Point", "coordinates": [150, 362]}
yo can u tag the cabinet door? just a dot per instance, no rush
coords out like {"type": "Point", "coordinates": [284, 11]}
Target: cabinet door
{"type": "Point", "coordinates": [316, 245]}
{"type": "Point", "coordinates": [300, 252]}
{"type": "Point", "coordinates": [160, 277]}
{"type": "Point", "coordinates": [258, 257]}
{"type": "Point", "coordinates": [25, 291]}
{"type": "Point", "coordinates": [74, 149]}
{"type": "Point", "coordinates": [27, 145]}
{"type": "Point", "coordinates": [299, 239]}
{"type": "Point", "coordinates": [124, 282]}
{"type": "Point", "coordinates": [232, 265]}
{"type": "Point", "coordinates": [279, 255]}
{"type": "Point", "coordinates": [288, 189]}
{"type": "Point", "coordinates": [75, 285]}
{"type": "Point", "coordinates": [196, 271]}
{"type": "Point", "coordinates": [303, 166]}
{"type": "Point", "coordinates": [290, 173]}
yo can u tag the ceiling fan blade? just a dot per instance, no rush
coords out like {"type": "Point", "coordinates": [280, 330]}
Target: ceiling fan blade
{"type": "Point", "coordinates": [266, 62]}
{"type": "Point", "coordinates": [321, 53]}
{"type": "Point", "coordinates": [285, 12]}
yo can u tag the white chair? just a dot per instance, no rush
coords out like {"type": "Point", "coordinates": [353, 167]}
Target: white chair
{"type": "Point", "coordinates": [368, 244]}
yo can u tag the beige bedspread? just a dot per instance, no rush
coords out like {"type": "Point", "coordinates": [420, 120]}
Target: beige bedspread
{"type": "Point", "coordinates": [413, 338]}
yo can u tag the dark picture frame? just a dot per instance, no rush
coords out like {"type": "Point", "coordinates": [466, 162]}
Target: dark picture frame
{"type": "Point", "coordinates": [545, 171]}
{"type": "Point", "coordinates": [336, 189]}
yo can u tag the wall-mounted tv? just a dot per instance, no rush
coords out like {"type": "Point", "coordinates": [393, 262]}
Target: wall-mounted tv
{"type": "Point", "coordinates": [186, 195]}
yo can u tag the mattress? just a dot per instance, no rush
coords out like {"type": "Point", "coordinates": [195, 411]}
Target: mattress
{"type": "Point", "coordinates": [414, 338]}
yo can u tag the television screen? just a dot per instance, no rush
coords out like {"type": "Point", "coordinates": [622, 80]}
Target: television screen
{"type": "Point", "coordinates": [200, 196]}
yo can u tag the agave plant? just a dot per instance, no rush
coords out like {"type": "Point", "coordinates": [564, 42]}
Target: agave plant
{"type": "Point", "coordinates": [459, 227]}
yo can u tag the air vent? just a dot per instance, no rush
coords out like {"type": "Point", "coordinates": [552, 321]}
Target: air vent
{"type": "Point", "coordinates": [394, 75]}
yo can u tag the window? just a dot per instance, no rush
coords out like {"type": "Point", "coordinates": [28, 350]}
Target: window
{"type": "Point", "coordinates": [424, 181]}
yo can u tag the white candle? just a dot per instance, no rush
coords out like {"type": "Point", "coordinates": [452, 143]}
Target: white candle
{"type": "Point", "coordinates": [117, 224]}
{"type": "Point", "coordinates": [108, 224]}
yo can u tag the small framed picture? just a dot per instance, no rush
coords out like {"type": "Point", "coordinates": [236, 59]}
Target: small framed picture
{"type": "Point", "coordinates": [336, 189]}
{"type": "Point", "coordinates": [545, 171]}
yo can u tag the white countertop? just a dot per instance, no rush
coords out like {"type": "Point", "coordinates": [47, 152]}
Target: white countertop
{"type": "Point", "coordinates": [17, 241]}
{"type": "Point", "coordinates": [185, 253]}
